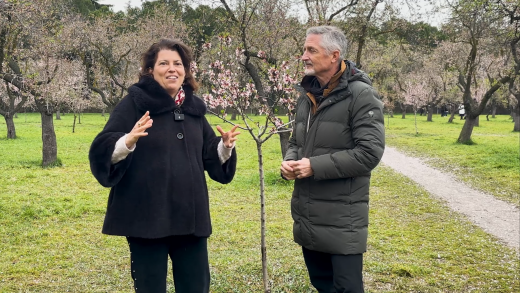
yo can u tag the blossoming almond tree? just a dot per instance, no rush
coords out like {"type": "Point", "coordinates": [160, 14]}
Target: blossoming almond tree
{"type": "Point", "coordinates": [31, 59]}
{"type": "Point", "coordinates": [111, 49]}
{"type": "Point", "coordinates": [473, 28]}
{"type": "Point", "coordinates": [231, 89]}
{"type": "Point", "coordinates": [415, 93]}
{"type": "Point", "coordinates": [11, 102]}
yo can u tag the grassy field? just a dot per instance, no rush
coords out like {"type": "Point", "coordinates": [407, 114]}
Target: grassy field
{"type": "Point", "coordinates": [50, 220]}
{"type": "Point", "coordinates": [491, 164]}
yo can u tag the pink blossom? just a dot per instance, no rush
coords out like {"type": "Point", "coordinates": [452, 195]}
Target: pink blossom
{"type": "Point", "coordinates": [261, 54]}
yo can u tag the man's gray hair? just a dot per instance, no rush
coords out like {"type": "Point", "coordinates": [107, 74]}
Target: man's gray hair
{"type": "Point", "coordinates": [332, 38]}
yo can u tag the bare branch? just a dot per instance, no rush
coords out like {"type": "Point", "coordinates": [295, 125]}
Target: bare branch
{"type": "Point", "coordinates": [352, 3]}
{"type": "Point", "coordinates": [229, 11]}
{"type": "Point", "coordinates": [225, 120]}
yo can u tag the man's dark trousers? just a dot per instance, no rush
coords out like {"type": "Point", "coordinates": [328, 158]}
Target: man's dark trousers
{"type": "Point", "coordinates": [334, 273]}
{"type": "Point", "coordinates": [149, 264]}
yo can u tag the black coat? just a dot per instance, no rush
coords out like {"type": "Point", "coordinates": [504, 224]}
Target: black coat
{"type": "Point", "coordinates": [160, 189]}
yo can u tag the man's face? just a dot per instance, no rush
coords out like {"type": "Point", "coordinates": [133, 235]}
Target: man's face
{"type": "Point", "coordinates": [315, 59]}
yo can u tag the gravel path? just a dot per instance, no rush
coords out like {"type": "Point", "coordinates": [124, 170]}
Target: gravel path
{"type": "Point", "coordinates": [496, 217]}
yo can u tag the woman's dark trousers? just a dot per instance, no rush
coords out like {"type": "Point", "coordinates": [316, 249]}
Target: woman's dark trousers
{"type": "Point", "coordinates": [149, 264]}
{"type": "Point", "coordinates": [334, 273]}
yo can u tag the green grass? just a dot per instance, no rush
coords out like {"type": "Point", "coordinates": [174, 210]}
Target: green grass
{"type": "Point", "coordinates": [491, 163]}
{"type": "Point", "coordinates": [50, 222]}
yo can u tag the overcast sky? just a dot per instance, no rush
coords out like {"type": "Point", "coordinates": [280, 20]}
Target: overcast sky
{"type": "Point", "coordinates": [432, 18]}
{"type": "Point", "coordinates": [119, 5]}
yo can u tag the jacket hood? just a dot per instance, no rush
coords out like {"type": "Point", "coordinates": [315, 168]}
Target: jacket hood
{"type": "Point", "coordinates": [149, 95]}
{"type": "Point", "coordinates": [354, 74]}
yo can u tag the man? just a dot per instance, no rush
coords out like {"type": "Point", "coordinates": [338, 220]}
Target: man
{"type": "Point", "coordinates": [337, 140]}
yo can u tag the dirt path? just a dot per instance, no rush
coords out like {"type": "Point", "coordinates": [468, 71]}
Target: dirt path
{"type": "Point", "coordinates": [496, 217]}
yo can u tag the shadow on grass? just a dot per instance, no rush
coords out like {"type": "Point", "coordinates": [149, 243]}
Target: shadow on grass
{"type": "Point", "coordinates": [34, 164]}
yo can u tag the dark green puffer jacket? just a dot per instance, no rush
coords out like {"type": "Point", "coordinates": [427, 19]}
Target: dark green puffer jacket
{"type": "Point", "coordinates": [344, 143]}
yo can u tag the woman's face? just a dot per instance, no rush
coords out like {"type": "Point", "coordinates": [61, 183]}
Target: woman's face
{"type": "Point", "coordinates": [168, 71]}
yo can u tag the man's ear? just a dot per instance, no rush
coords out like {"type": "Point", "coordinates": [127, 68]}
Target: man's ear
{"type": "Point", "coordinates": [335, 56]}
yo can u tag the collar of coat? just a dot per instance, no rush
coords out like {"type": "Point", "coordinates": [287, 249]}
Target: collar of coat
{"type": "Point", "coordinates": [149, 95]}
{"type": "Point", "coordinates": [332, 84]}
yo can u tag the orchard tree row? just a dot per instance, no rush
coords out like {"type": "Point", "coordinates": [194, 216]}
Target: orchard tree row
{"type": "Point", "coordinates": [76, 55]}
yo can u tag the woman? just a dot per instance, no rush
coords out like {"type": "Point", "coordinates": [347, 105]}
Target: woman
{"type": "Point", "coordinates": [153, 152]}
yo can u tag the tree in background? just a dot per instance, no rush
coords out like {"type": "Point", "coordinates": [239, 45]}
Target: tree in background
{"type": "Point", "coordinates": [474, 30]}
{"type": "Point", "coordinates": [511, 10]}
{"type": "Point", "coordinates": [111, 49]}
{"type": "Point", "coordinates": [11, 102]}
{"type": "Point", "coordinates": [415, 93]}
{"type": "Point", "coordinates": [32, 58]}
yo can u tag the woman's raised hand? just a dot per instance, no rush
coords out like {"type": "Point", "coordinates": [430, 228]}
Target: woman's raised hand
{"type": "Point", "coordinates": [228, 138]}
{"type": "Point", "coordinates": [139, 130]}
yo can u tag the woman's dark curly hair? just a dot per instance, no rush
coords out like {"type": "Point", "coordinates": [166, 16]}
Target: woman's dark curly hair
{"type": "Point", "coordinates": [149, 58]}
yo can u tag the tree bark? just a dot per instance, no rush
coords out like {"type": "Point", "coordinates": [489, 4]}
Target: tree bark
{"type": "Point", "coordinates": [74, 123]}
{"type": "Point", "coordinates": [430, 114]}
{"type": "Point", "coordinates": [50, 148]}
{"type": "Point", "coordinates": [452, 111]}
{"type": "Point", "coordinates": [58, 116]}
{"type": "Point", "coordinates": [403, 110]}
{"type": "Point", "coordinates": [493, 110]}
{"type": "Point", "coordinates": [263, 247]}
{"type": "Point", "coordinates": [516, 118]}
{"type": "Point", "coordinates": [467, 130]}
{"type": "Point", "coordinates": [11, 130]}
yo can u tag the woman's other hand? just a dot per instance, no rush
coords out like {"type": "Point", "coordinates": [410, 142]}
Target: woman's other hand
{"type": "Point", "coordinates": [139, 130]}
{"type": "Point", "coordinates": [229, 138]}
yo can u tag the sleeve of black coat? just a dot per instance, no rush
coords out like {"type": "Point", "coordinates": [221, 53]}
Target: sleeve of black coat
{"type": "Point", "coordinates": [368, 133]}
{"type": "Point", "coordinates": [222, 173]}
{"type": "Point", "coordinates": [120, 122]}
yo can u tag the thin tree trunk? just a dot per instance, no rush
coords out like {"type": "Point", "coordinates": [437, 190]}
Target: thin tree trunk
{"type": "Point", "coordinates": [74, 123]}
{"type": "Point", "coordinates": [516, 118]}
{"type": "Point", "coordinates": [452, 110]}
{"type": "Point", "coordinates": [467, 130]}
{"type": "Point", "coordinates": [403, 110]}
{"type": "Point", "coordinates": [58, 116]}
{"type": "Point", "coordinates": [15, 115]}
{"type": "Point", "coordinates": [50, 147]}
{"type": "Point", "coordinates": [263, 247]}
{"type": "Point", "coordinates": [493, 110]}
{"type": "Point", "coordinates": [430, 114]}
{"type": "Point", "coordinates": [415, 116]}
{"type": "Point", "coordinates": [11, 130]}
